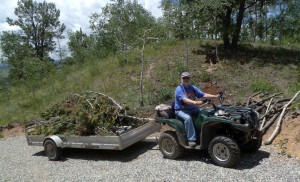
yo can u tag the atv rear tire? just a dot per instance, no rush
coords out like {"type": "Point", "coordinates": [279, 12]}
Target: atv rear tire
{"type": "Point", "coordinates": [252, 146]}
{"type": "Point", "coordinates": [169, 145]}
{"type": "Point", "coordinates": [224, 151]}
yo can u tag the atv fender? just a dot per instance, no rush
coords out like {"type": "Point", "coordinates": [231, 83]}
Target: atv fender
{"type": "Point", "coordinates": [177, 125]}
{"type": "Point", "coordinates": [174, 123]}
{"type": "Point", "coordinates": [209, 130]}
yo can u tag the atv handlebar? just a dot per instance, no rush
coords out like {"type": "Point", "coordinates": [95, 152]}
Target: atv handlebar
{"type": "Point", "coordinates": [221, 98]}
{"type": "Point", "coordinates": [209, 101]}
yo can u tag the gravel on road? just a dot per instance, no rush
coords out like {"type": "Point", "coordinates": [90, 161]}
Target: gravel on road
{"type": "Point", "coordinates": [140, 162]}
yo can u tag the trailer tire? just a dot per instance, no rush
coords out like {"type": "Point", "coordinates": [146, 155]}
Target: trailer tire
{"type": "Point", "coordinates": [169, 145]}
{"type": "Point", "coordinates": [53, 152]}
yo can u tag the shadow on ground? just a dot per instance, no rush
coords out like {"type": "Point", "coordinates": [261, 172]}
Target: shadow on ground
{"type": "Point", "coordinates": [125, 155]}
{"type": "Point", "coordinates": [263, 54]}
{"type": "Point", "coordinates": [248, 161]}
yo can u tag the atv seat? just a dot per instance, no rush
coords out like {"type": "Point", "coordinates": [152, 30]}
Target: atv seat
{"type": "Point", "coordinates": [165, 111]}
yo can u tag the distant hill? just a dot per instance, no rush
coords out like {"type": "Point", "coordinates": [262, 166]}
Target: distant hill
{"type": "Point", "coordinates": [4, 69]}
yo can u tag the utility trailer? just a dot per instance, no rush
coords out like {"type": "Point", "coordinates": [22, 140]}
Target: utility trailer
{"type": "Point", "coordinates": [54, 144]}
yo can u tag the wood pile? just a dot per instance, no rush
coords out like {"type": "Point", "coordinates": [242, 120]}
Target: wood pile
{"type": "Point", "coordinates": [272, 109]}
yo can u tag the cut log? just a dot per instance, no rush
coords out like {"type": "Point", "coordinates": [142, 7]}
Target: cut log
{"type": "Point", "coordinates": [269, 123]}
{"type": "Point", "coordinates": [267, 111]}
{"type": "Point", "coordinates": [283, 100]}
{"type": "Point", "coordinates": [272, 96]}
{"type": "Point", "coordinates": [260, 108]}
{"type": "Point", "coordinates": [279, 121]}
{"type": "Point", "coordinates": [249, 99]}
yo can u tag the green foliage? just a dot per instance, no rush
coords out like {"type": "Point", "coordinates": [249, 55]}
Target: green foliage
{"type": "Point", "coordinates": [275, 22]}
{"type": "Point", "coordinates": [180, 68]}
{"type": "Point", "coordinates": [16, 50]}
{"type": "Point", "coordinates": [261, 85]}
{"type": "Point", "coordinates": [282, 145]}
{"type": "Point", "coordinates": [295, 86]}
{"type": "Point", "coordinates": [120, 25]}
{"type": "Point", "coordinates": [129, 58]}
{"type": "Point", "coordinates": [80, 45]}
{"type": "Point", "coordinates": [164, 94]}
{"type": "Point", "coordinates": [27, 50]}
{"type": "Point", "coordinates": [298, 74]}
{"type": "Point", "coordinates": [122, 82]}
{"type": "Point", "coordinates": [87, 113]}
{"type": "Point", "coordinates": [205, 77]}
{"type": "Point", "coordinates": [39, 23]}
{"type": "Point", "coordinates": [1, 135]}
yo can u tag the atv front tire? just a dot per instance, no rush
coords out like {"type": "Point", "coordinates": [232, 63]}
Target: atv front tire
{"type": "Point", "coordinates": [169, 145]}
{"type": "Point", "coordinates": [252, 146]}
{"type": "Point", "coordinates": [224, 151]}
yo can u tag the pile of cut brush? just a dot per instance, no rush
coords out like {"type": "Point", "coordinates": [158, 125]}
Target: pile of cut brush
{"type": "Point", "coordinates": [84, 114]}
{"type": "Point", "coordinates": [272, 107]}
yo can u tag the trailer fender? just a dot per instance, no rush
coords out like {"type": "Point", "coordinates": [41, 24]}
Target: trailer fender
{"type": "Point", "coordinates": [58, 141]}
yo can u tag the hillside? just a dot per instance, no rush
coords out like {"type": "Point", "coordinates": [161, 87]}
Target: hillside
{"type": "Point", "coordinates": [238, 74]}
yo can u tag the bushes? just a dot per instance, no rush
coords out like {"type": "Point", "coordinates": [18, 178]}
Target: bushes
{"type": "Point", "coordinates": [205, 77]}
{"type": "Point", "coordinates": [262, 85]}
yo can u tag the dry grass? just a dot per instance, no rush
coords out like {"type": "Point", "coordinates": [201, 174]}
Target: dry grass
{"type": "Point", "coordinates": [164, 63]}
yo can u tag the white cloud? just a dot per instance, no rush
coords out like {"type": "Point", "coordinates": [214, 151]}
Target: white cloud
{"type": "Point", "coordinates": [7, 9]}
{"type": "Point", "coordinates": [73, 13]}
{"type": "Point", "coordinates": [5, 27]}
{"type": "Point", "coordinates": [152, 6]}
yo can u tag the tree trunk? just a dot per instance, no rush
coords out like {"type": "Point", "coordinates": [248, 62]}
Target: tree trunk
{"type": "Point", "coordinates": [187, 57]}
{"type": "Point", "coordinates": [226, 28]}
{"type": "Point", "coordinates": [142, 72]}
{"type": "Point", "coordinates": [239, 21]}
{"type": "Point", "coordinates": [255, 23]}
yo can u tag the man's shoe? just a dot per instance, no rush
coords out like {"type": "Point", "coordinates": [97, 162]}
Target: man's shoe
{"type": "Point", "coordinates": [192, 144]}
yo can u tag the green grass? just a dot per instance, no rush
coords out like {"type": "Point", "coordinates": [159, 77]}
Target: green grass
{"type": "Point", "coordinates": [262, 85]}
{"type": "Point", "coordinates": [119, 76]}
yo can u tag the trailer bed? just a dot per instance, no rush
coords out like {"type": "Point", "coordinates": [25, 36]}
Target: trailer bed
{"type": "Point", "coordinates": [98, 142]}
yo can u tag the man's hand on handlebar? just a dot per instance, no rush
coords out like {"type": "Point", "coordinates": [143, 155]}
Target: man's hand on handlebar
{"type": "Point", "coordinates": [202, 102]}
{"type": "Point", "coordinates": [198, 102]}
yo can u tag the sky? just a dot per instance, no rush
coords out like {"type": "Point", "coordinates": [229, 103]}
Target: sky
{"type": "Point", "coordinates": [73, 13]}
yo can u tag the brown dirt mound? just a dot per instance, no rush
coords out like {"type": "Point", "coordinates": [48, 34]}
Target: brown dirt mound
{"type": "Point", "coordinates": [211, 88]}
{"type": "Point", "coordinates": [288, 141]}
{"type": "Point", "coordinates": [13, 130]}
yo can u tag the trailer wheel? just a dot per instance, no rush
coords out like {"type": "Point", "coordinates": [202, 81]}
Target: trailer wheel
{"type": "Point", "coordinates": [224, 151]}
{"type": "Point", "coordinates": [169, 145]}
{"type": "Point", "coordinates": [53, 152]}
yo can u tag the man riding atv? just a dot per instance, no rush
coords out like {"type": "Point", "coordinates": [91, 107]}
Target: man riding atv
{"type": "Point", "coordinates": [186, 105]}
{"type": "Point", "coordinates": [224, 130]}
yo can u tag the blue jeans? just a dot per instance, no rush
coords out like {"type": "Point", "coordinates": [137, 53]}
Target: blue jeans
{"type": "Point", "coordinates": [186, 116]}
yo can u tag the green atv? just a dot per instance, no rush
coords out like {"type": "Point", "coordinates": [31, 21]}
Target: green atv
{"type": "Point", "coordinates": [224, 130]}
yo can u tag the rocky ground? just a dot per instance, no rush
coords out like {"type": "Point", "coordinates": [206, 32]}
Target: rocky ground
{"type": "Point", "coordinates": [140, 162]}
